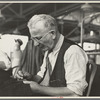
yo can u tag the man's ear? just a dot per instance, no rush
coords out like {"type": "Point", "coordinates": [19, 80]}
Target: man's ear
{"type": "Point", "coordinates": [53, 34]}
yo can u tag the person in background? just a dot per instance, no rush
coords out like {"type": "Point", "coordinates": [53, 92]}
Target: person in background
{"type": "Point", "coordinates": [66, 76]}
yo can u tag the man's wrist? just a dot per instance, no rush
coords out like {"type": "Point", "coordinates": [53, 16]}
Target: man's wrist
{"type": "Point", "coordinates": [29, 78]}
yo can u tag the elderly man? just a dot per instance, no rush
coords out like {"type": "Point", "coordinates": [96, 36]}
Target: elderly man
{"type": "Point", "coordinates": [66, 76]}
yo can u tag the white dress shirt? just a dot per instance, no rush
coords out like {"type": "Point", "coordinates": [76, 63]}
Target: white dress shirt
{"type": "Point", "coordinates": [75, 60]}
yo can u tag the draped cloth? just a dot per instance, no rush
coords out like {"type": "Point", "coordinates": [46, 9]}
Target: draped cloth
{"type": "Point", "coordinates": [31, 58]}
{"type": "Point", "coordinates": [11, 87]}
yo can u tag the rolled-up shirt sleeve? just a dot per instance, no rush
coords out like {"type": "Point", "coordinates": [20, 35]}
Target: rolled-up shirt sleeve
{"type": "Point", "coordinates": [75, 60]}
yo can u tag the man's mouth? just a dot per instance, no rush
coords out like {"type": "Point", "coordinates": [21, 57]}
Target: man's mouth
{"type": "Point", "coordinates": [44, 47]}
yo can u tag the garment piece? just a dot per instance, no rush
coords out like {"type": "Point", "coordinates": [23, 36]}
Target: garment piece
{"type": "Point", "coordinates": [6, 44]}
{"type": "Point", "coordinates": [5, 62]}
{"type": "Point", "coordinates": [4, 75]}
{"type": "Point", "coordinates": [31, 59]}
{"type": "Point", "coordinates": [75, 60]}
{"type": "Point", "coordinates": [12, 87]}
{"type": "Point", "coordinates": [15, 88]}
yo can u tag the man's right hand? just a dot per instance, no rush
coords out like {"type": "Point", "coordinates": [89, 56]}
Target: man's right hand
{"type": "Point", "coordinates": [27, 76]}
{"type": "Point", "coordinates": [23, 75]}
{"type": "Point", "coordinates": [20, 75]}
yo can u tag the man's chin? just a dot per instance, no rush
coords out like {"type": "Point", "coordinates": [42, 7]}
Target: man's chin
{"type": "Point", "coordinates": [45, 49]}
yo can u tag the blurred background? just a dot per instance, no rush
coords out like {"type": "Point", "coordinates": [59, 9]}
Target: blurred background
{"type": "Point", "coordinates": [79, 22]}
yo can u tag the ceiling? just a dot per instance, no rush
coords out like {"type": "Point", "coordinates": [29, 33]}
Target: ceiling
{"type": "Point", "coordinates": [68, 15]}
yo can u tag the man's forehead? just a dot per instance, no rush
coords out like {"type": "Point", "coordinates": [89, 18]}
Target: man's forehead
{"type": "Point", "coordinates": [37, 32]}
{"type": "Point", "coordinates": [39, 29]}
{"type": "Point", "coordinates": [40, 25]}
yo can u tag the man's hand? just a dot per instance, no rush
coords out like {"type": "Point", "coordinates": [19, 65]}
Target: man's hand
{"type": "Point", "coordinates": [27, 76]}
{"type": "Point", "coordinates": [23, 75]}
{"type": "Point", "coordinates": [19, 75]}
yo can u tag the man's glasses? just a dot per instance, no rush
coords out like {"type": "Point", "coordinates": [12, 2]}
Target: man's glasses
{"type": "Point", "coordinates": [41, 39]}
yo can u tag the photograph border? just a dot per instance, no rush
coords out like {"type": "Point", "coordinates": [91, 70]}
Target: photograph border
{"type": "Point", "coordinates": [55, 97]}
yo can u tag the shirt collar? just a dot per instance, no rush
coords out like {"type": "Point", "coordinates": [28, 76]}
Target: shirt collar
{"type": "Point", "coordinates": [59, 44]}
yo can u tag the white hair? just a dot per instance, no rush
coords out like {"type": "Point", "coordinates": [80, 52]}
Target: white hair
{"type": "Point", "coordinates": [49, 22]}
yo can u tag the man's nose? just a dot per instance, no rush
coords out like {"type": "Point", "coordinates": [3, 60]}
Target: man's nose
{"type": "Point", "coordinates": [36, 43]}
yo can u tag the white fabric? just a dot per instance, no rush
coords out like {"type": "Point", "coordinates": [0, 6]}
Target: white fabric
{"type": "Point", "coordinates": [7, 49]}
{"type": "Point", "coordinates": [6, 44]}
{"type": "Point", "coordinates": [75, 60]}
{"type": "Point", "coordinates": [4, 61]}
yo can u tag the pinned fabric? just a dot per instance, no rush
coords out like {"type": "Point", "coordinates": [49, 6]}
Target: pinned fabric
{"type": "Point", "coordinates": [5, 62]}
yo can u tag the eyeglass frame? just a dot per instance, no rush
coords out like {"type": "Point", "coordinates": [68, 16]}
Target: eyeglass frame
{"type": "Point", "coordinates": [40, 40]}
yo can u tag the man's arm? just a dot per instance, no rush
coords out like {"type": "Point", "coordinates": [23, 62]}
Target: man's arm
{"type": "Point", "coordinates": [27, 76]}
{"type": "Point", "coordinates": [37, 78]}
{"type": "Point", "coordinates": [51, 91]}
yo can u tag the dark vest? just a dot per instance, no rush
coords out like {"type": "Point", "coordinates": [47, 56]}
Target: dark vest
{"type": "Point", "coordinates": [57, 78]}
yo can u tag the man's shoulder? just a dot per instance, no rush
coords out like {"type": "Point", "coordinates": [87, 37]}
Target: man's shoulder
{"type": "Point", "coordinates": [74, 49]}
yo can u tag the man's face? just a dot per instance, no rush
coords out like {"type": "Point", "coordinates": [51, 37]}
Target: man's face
{"type": "Point", "coordinates": [44, 40]}
{"type": "Point", "coordinates": [43, 37]}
